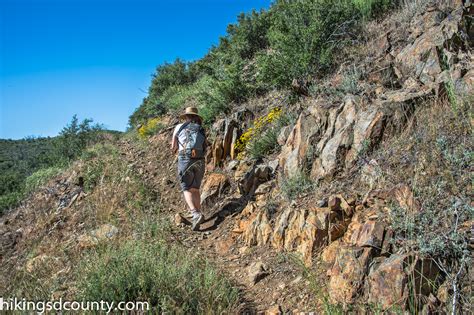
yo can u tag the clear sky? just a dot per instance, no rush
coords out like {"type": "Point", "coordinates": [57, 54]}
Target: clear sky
{"type": "Point", "coordinates": [94, 58]}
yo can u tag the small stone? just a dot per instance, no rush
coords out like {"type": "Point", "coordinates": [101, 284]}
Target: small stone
{"type": "Point", "coordinates": [178, 219]}
{"type": "Point", "coordinates": [322, 203]}
{"type": "Point", "coordinates": [296, 280]}
{"type": "Point", "coordinates": [257, 271]}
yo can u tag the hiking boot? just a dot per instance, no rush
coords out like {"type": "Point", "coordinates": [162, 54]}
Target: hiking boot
{"type": "Point", "coordinates": [196, 221]}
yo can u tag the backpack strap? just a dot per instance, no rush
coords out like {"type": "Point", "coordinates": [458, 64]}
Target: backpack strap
{"type": "Point", "coordinates": [181, 129]}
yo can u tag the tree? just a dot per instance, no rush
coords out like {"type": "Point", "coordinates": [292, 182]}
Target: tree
{"type": "Point", "coordinates": [75, 137]}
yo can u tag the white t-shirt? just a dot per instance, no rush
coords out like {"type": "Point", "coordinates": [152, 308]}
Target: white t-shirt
{"type": "Point", "coordinates": [181, 137]}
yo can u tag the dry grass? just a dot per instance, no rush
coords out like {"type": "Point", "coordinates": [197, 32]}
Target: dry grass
{"type": "Point", "coordinates": [433, 156]}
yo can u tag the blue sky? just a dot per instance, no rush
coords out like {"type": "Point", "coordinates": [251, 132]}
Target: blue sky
{"type": "Point", "coordinates": [94, 58]}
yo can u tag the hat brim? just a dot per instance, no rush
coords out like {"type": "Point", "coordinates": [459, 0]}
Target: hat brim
{"type": "Point", "coordinates": [183, 116]}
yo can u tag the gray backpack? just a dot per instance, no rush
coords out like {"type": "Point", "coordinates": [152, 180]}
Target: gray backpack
{"type": "Point", "coordinates": [194, 145]}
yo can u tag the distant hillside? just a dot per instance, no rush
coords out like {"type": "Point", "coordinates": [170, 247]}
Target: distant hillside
{"type": "Point", "coordinates": [20, 159]}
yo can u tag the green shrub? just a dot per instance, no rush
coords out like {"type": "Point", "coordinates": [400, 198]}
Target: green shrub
{"type": "Point", "coordinates": [10, 200]}
{"type": "Point", "coordinates": [176, 96]}
{"type": "Point", "coordinates": [368, 8]}
{"type": "Point", "coordinates": [170, 279]}
{"type": "Point", "coordinates": [75, 137]}
{"type": "Point", "coordinates": [40, 177]}
{"type": "Point", "coordinates": [302, 39]}
{"type": "Point", "coordinates": [296, 185]}
{"type": "Point", "coordinates": [293, 39]}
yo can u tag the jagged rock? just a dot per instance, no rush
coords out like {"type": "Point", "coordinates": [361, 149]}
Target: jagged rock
{"type": "Point", "coordinates": [283, 136]}
{"type": "Point", "coordinates": [265, 188]}
{"type": "Point", "coordinates": [387, 282]}
{"type": "Point", "coordinates": [338, 203]}
{"type": "Point", "coordinates": [242, 169]}
{"type": "Point", "coordinates": [273, 165]}
{"type": "Point", "coordinates": [229, 137]}
{"type": "Point", "coordinates": [217, 151]}
{"type": "Point", "coordinates": [302, 231]}
{"type": "Point", "coordinates": [336, 146]}
{"type": "Point", "coordinates": [232, 165]}
{"type": "Point", "coordinates": [332, 138]}
{"type": "Point", "coordinates": [328, 255]}
{"type": "Point", "coordinates": [420, 58]}
{"type": "Point", "coordinates": [369, 234]}
{"type": "Point", "coordinates": [257, 229]}
{"type": "Point", "coordinates": [348, 273]}
{"type": "Point", "coordinates": [253, 178]}
{"type": "Point", "coordinates": [244, 116]}
{"type": "Point", "coordinates": [295, 149]}
{"type": "Point", "coordinates": [214, 186]}
{"type": "Point", "coordinates": [257, 271]}
{"type": "Point", "coordinates": [229, 205]}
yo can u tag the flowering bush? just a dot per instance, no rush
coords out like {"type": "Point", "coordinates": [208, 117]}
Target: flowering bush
{"type": "Point", "coordinates": [150, 128]}
{"type": "Point", "coordinates": [259, 126]}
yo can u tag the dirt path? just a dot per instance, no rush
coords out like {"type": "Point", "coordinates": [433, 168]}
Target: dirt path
{"type": "Point", "coordinates": [282, 284]}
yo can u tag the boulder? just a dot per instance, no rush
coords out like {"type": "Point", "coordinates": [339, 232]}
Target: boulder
{"type": "Point", "coordinates": [387, 282]}
{"type": "Point", "coordinates": [214, 186]}
{"type": "Point", "coordinates": [348, 273]}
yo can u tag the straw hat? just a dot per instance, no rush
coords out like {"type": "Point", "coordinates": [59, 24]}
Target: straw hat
{"type": "Point", "coordinates": [190, 111]}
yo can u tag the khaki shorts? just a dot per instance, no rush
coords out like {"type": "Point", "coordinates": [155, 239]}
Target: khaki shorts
{"type": "Point", "coordinates": [190, 172]}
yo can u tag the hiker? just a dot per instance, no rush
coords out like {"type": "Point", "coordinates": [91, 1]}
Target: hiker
{"type": "Point", "coordinates": [189, 141]}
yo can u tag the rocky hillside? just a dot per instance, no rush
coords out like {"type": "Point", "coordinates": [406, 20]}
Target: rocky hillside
{"type": "Point", "coordinates": [355, 197]}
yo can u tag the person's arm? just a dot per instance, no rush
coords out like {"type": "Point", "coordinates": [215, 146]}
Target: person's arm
{"type": "Point", "coordinates": [174, 142]}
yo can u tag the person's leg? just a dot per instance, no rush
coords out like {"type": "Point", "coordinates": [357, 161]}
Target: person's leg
{"type": "Point", "coordinates": [189, 198]}
{"type": "Point", "coordinates": [196, 198]}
